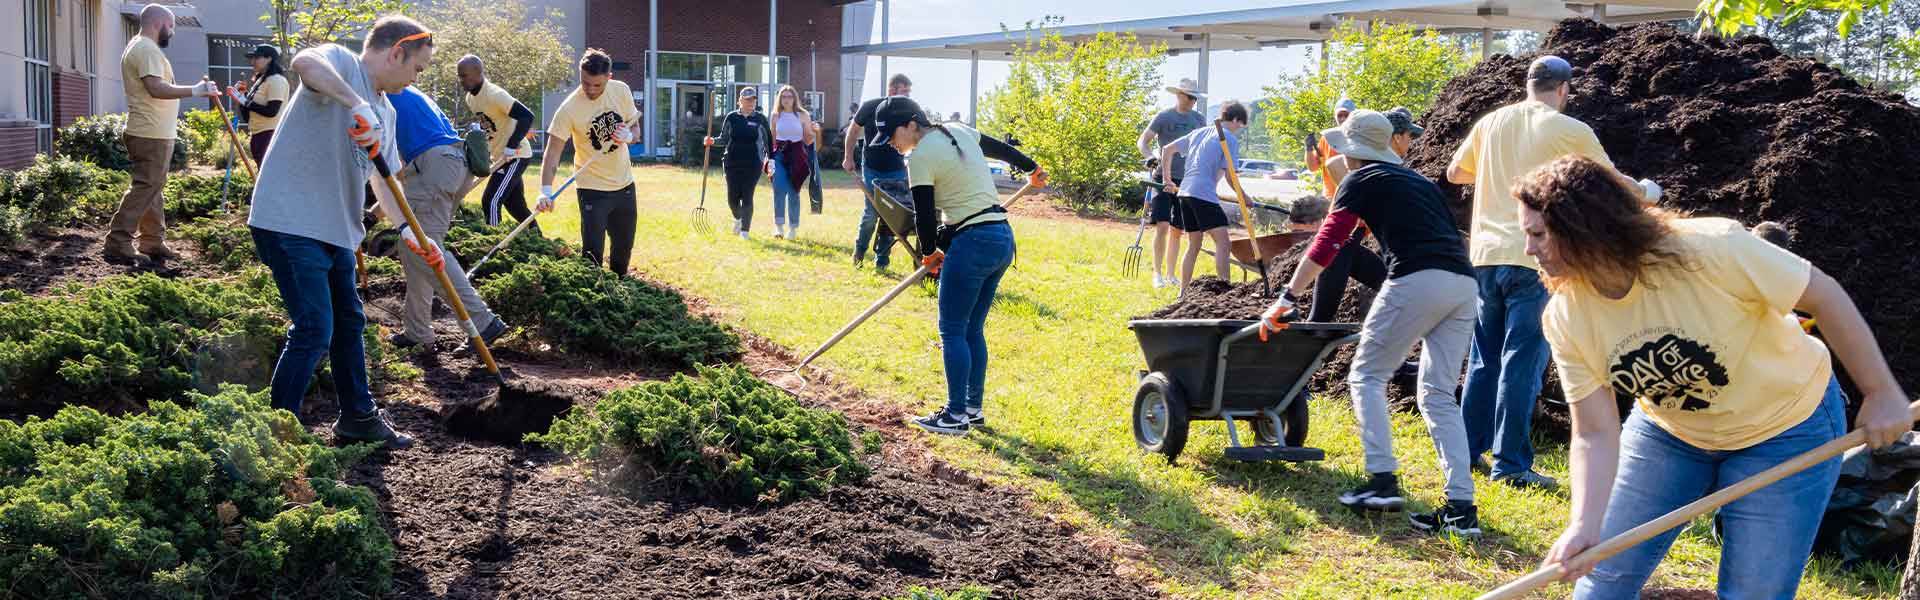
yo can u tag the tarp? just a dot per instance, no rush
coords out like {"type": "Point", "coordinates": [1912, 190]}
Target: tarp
{"type": "Point", "coordinates": [1871, 515]}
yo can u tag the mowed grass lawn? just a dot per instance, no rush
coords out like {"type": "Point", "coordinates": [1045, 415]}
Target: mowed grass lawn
{"type": "Point", "coordinates": [1059, 396]}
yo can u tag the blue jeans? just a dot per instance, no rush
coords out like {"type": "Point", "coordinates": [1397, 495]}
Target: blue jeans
{"type": "Point", "coordinates": [786, 196]}
{"type": "Point", "coordinates": [316, 282]}
{"type": "Point", "coordinates": [1504, 367]}
{"type": "Point", "coordinates": [883, 243]}
{"type": "Point", "coordinates": [969, 279]}
{"type": "Point", "coordinates": [1765, 536]}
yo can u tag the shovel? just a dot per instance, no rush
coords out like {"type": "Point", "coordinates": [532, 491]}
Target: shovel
{"type": "Point", "coordinates": [530, 218]}
{"type": "Point", "coordinates": [911, 279]}
{"type": "Point", "coordinates": [1548, 574]}
{"type": "Point", "coordinates": [1233, 179]}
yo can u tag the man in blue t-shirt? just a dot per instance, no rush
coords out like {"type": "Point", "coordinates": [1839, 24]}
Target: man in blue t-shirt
{"type": "Point", "coordinates": [436, 170]}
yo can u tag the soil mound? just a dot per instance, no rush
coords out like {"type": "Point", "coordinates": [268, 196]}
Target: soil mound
{"type": "Point", "coordinates": [522, 406]}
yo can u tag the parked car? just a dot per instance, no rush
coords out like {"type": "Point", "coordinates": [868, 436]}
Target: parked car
{"type": "Point", "coordinates": [1287, 174]}
{"type": "Point", "coordinates": [1248, 167]}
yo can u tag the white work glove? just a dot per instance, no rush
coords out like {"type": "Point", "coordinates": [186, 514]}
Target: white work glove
{"type": "Point", "coordinates": [426, 249]}
{"type": "Point", "coordinates": [1277, 315]}
{"type": "Point", "coordinates": [1650, 190]}
{"type": "Point", "coordinates": [206, 88]}
{"type": "Point", "coordinates": [238, 99]}
{"type": "Point", "coordinates": [364, 126]}
{"type": "Point", "coordinates": [623, 134]}
{"type": "Point", "coordinates": [546, 199]}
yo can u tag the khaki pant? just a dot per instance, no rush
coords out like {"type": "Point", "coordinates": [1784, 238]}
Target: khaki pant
{"type": "Point", "coordinates": [431, 180]}
{"type": "Point", "coordinates": [142, 209]}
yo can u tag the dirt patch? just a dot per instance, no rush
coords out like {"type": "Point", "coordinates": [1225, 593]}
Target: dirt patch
{"type": "Point", "coordinates": [49, 261]}
{"type": "Point", "coordinates": [1676, 594]}
{"type": "Point", "coordinates": [521, 406]}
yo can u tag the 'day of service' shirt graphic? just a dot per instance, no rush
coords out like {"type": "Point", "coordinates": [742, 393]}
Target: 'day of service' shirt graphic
{"type": "Point", "coordinates": [1672, 371]}
{"type": "Point", "coordinates": [601, 132]}
{"type": "Point", "coordinates": [486, 124]}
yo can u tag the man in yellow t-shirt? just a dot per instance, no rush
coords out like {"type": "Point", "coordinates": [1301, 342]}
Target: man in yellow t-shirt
{"type": "Point", "coordinates": [506, 122]}
{"type": "Point", "coordinates": [1509, 357]}
{"type": "Point", "coordinates": [153, 106]}
{"type": "Point", "coordinates": [599, 118]}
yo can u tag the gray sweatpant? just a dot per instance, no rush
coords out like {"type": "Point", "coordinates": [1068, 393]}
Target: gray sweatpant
{"type": "Point", "coordinates": [1437, 308]}
{"type": "Point", "coordinates": [432, 179]}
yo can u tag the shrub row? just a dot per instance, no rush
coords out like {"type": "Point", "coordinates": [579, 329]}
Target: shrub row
{"type": "Point", "coordinates": [471, 238]}
{"type": "Point", "coordinates": [53, 192]}
{"type": "Point", "coordinates": [721, 435]}
{"type": "Point", "coordinates": [99, 139]}
{"type": "Point", "coordinates": [583, 308]}
{"type": "Point", "coordinates": [225, 499]}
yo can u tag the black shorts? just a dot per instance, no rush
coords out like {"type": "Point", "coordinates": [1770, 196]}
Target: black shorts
{"type": "Point", "coordinates": [1162, 207]}
{"type": "Point", "coordinates": [1198, 215]}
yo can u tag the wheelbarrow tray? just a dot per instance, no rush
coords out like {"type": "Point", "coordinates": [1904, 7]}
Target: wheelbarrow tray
{"type": "Point", "coordinates": [1271, 245]}
{"type": "Point", "coordinates": [1255, 376]}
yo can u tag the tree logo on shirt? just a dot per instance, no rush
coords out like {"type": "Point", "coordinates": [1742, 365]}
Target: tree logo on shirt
{"type": "Point", "coordinates": [601, 131]}
{"type": "Point", "coordinates": [486, 124]}
{"type": "Point", "coordinates": [1673, 372]}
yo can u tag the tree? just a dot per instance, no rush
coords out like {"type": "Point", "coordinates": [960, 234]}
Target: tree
{"type": "Point", "coordinates": [1729, 16]}
{"type": "Point", "coordinates": [297, 24]}
{"type": "Point", "coordinates": [1395, 65]}
{"type": "Point", "coordinates": [1078, 109]}
{"type": "Point", "coordinates": [526, 54]}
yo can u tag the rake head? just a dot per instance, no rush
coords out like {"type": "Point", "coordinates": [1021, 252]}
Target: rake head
{"type": "Point", "coordinates": [700, 222]}
{"type": "Point", "coordinates": [1131, 267]}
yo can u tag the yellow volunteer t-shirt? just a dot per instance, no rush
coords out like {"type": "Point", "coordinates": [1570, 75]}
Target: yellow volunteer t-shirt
{"type": "Point", "coordinates": [1506, 144]}
{"type": "Point", "coordinates": [962, 183]}
{"type": "Point", "coordinates": [1709, 350]}
{"type": "Point", "coordinates": [274, 88]}
{"type": "Point", "coordinates": [494, 105]}
{"type": "Point", "coordinates": [147, 116]}
{"type": "Point", "coordinates": [590, 124]}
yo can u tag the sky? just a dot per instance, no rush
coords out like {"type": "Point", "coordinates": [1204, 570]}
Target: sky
{"type": "Point", "coordinates": [941, 85]}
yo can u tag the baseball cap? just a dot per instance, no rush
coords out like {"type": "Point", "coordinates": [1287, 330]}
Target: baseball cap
{"type": "Point", "coordinates": [264, 51]}
{"type": "Point", "coordinates": [1550, 68]}
{"type": "Point", "coordinates": [747, 92]}
{"type": "Point", "coordinates": [1367, 135]}
{"type": "Point", "coordinates": [1345, 104]}
{"type": "Point", "coordinates": [1402, 119]}
{"type": "Point", "coordinates": [892, 112]}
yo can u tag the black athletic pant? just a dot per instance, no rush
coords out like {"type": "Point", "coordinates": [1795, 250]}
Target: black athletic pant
{"type": "Point", "coordinates": [608, 214]}
{"type": "Point", "coordinates": [506, 189]}
{"type": "Point", "coordinates": [741, 179]}
{"type": "Point", "coordinates": [1355, 260]}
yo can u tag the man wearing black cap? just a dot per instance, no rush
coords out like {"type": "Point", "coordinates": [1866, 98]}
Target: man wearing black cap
{"type": "Point", "coordinates": [1428, 297]}
{"type": "Point", "coordinates": [1509, 355]}
{"type": "Point", "coordinates": [878, 162]}
{"type": "Point", "coordinates": [260, 99]}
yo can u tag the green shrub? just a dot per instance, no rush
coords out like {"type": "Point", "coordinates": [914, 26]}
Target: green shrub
{"type": "Point", "coordinates": [99, 203]}
{"type": "Point", "coordinates": [472, 238]}
{"type": "Point", "coordinates": [966, 593]}
{"type": "Point", "coordinates": [209, 132]}
{"type": "Point", "coordinates": [137, 338]}
{"type": "Point", "coordinates": [190, 197]}
{"type": "Point", "coordinates": [723, 436]}
{"type": "Point", "coordinates": [584, 308]}
{"type": "Point", "coordinates": [224, 244]}
{"type": "Point", "coordinates": [98, 139]}
{"type": "Point", "coordinates": [50, 192]}
{"type": "Point", "coordinates": [13, 226]}
{"type": "Point", "coordinates": [226, 499]}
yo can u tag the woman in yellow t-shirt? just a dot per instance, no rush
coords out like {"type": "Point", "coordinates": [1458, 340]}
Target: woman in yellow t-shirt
{"type": "Point", "coordinates": [1692, 320]}
{"type": "Point", "coordinates": [260, 99]}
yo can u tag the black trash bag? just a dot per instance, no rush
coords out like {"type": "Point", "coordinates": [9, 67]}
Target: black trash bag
{"type": "Point", "coordinates": [1871, 514]}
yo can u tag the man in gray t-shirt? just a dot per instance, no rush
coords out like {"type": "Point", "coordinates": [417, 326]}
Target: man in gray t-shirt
{"type": "Point", "coordinates": [1171, 124]}
{"type": "Point", "coordinates": [306, 217]}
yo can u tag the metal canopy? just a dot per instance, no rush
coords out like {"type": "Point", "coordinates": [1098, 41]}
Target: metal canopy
{"type": "Point", "coordinates": [1300, 23]}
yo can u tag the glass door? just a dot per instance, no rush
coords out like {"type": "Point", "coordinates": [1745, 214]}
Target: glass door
{"type": "Point", "coordinates": [663, 130]}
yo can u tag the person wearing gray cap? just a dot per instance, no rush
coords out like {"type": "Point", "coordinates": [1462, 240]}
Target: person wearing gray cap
{"type": "Point", "coordinates": [748, 138]}
{"type": "Point", "coordinates": [1428, 297]}
{"type": "Point", "coordinates": [1509, 355]}
{"type": "Point", "coordinates": [1171, 124]}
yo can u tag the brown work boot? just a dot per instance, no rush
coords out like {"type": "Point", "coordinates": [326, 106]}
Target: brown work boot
{"type": "Point", "coordinates": [113, 250]}
{"type": "Point", "coordinates": [160, 252]}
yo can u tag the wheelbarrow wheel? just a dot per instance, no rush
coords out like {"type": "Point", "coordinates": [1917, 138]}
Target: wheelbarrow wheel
{"type": "Point", "coordinates": [1160, 416]}
{"type": "Point", "coordinates": [1294, 420]}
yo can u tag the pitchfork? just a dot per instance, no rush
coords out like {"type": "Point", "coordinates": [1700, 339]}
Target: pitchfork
{"type": "Point", "coordinates": [1131, 266]}
{"type": "Point", "coordinates": [700, 223]}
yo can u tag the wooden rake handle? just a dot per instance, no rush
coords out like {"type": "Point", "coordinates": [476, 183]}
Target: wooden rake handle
{"type": "Point", "coordinates": [1246, 213]}
{"type": "Point", "coordinates": [446, 283]}
{"type": "Point", "coordinates": [240, 151]}
{"type": "Point", "coordinates": [1548, 574]}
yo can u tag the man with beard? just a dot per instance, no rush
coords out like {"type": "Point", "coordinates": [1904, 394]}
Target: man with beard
{"type": "Point", "coordinates": [496, 108]}
{"type": "Point", "coordinates": [152, 103]}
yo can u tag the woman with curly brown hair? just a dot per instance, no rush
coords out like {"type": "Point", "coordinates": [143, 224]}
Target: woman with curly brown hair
{"type": "Point", "coordinates": [1692, 319]}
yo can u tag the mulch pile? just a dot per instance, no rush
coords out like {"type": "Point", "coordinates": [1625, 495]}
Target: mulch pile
{"type": "Point", "coordinates": [1729, 127]}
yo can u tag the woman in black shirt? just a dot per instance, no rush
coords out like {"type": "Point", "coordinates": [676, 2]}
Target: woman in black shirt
{"type": "Point", "coordinates": [748, 139]}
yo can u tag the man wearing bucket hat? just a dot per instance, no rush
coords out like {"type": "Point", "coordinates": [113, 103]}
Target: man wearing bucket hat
{"type": "Point", "coordinates": [1171, 124]}
{"type": "Point", "coordinates": [1509, 353]}
{"type": "Point", "coordinates": [1428, 297]}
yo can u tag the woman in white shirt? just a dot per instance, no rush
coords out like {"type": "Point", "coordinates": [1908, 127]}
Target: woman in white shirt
{"type": "Point", "coordinates": [793, 133]}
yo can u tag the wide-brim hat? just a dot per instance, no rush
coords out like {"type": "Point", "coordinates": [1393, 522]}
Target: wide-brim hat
{"type": "Point", "coordinates": [1367, 135]}
{"type": "Point", "coordinates": [1188, 87]}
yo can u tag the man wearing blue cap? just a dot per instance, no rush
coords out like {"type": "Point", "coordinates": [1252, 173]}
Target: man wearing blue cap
{"type": "Point", "coordinates": [1509, 355]}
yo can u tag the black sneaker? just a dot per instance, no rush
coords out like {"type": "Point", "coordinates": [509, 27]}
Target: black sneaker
{"type": "Point", "coordinates": [372, 428]}
{"type": "Point", "coordinates": [493, 332]}
{"type": "Point", "coordinates": [1409, 368]}
{"type": "Point", "coordinates": [1480, 465]}
{"type": "Point", "coordinates": [975, 419]}
{"type": "Point", "coordinates": [400, 340]}
{"type": "Point", "coordinates": [941, 422]}
{"type": "Point", "coordinates": [1381, 493]}
{"type": "Point", "coordinates": [1528, 480]}
{"type": "Point", "coordinates": [1456, 517]}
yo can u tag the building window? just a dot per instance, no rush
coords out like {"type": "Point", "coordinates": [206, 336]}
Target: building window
{"type": "Point", "coordinates": [721, 68]}
{"type": "Point", "coordinates": [39, 84]}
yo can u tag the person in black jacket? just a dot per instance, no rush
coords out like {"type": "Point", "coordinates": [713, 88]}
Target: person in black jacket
{"type": "Point", "coordinates": [748, 137]}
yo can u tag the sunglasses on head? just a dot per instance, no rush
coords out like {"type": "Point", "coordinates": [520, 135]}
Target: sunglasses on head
{"type": "Point", "coordinates": [424, 35]}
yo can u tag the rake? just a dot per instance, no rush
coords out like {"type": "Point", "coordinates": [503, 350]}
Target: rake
{"type": "Point", "coordinates": [700, 222]}
{"type": "Point", "coordinates": [475, 267]}
{"type": "Point", "coordinates": [240, 151]}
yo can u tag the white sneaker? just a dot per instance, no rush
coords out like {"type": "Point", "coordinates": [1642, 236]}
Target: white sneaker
{"type": "Point", "coordinates": [736, 226]}
{"type": "Point", "coordinates": [743, 235]}
{"type": "Point", "coordinates": [779, 232]}
{"type": "Point", "coordinates": [793, 231]}
{"type": "Point", "coordinates": [1158, 282]}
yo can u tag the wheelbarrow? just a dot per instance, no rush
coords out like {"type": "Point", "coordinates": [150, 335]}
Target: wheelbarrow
{"type": "Point", "coordinates": [1214, 369]}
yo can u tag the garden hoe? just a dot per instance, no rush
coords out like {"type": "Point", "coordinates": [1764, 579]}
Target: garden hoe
{"type": "Point", "coordinates": [1546, 575]}
{"type": "Point", "coordinates": [700, 223]}
{"type": "Point", "coordinates": [513, 405]}
{"type": "Point", "coordinates": [1246, 213]}
{"type": "Point", "coordinates": [911, 279]}
{"type": "Point", "coordinates": [475, 267]}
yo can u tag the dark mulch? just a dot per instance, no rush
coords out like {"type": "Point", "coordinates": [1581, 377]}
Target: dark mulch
{"type": "Point", "coordinates": [48, 261]}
